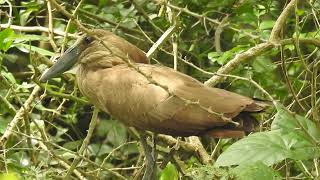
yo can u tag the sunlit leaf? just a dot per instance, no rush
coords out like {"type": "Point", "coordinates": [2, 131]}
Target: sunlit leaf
{"type": "Point", "coordinates": [9, 176]}
{"type": "Point", "coordinates": [18, 38]}
{"type": "Point", "coordinates": [267, 24]}
{"type": "Point", "coordinates": [24, 16]}
{"type": "Point", "coordinates": [26, 48]}
{"type": "Point", "coordinates": [5, 41]}
{"type": "Point", "coordinates": [169, 173]}
{"type": "Point", "coordinates": [223, 58]}
{"type": "Point", "coordinates": [9, 77]}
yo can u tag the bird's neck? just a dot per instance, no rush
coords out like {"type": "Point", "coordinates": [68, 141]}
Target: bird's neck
{"type": "Point", "coordinates": [101, 59]}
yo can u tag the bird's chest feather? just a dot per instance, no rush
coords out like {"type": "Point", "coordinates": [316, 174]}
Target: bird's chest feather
{"type": "Point", "coordinates": [121, 92]}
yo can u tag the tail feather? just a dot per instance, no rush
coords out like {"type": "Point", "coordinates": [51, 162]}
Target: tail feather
{"type": "Point", "coordinates": [225, 133]}
{"type": "Point", "coordinates": [247, 124]}
{"type": "Point", "coordinates": [257, 106]}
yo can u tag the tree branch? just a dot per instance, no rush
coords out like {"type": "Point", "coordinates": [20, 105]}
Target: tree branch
{"type": "Point", "coordinates": [36, 29]}
{"type": "Point", "coordinates": [254, 51]}
{"type": "Point", "coordinates": [279, 24]}
{"type": "Point", "coordinates": [20, 115]}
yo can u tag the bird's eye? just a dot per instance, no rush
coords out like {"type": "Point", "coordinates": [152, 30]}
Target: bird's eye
{"type": "Point", "coordinates": [88, 40]}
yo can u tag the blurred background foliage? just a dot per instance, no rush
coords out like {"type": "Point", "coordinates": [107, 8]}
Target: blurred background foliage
{"type": "Point", "coordinates": [59, 113]}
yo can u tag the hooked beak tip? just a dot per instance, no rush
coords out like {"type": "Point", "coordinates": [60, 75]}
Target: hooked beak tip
{"type": "Point", "coordinates": [42, 80]}
{"type": "Point", "coordinates": [44, 77]}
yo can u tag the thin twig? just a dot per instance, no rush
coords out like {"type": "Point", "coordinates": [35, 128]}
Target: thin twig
{"type": "Point", "coordinates": [285, 73]}
{"type": "Point", "coordinates": [64, 42]}
{"type": "Point", "coordinates": [85, 142]}
{"type": "Point", "coordinates": [50, 28]}
{"type": "Point", "coordinates": [160, 41]}
{"type": "Point", "coordinates": [205, 18]}
{"type": "Point", "coordinates": [218, 32]}
{"type": "Point", "coordinates": [10, 13]}
{"type": "Point", "coordinates": [36, 29]}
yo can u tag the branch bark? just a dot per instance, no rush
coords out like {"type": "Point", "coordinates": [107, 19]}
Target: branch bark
{"type": "Point", "coordinates": [36, 29]}
{"type": "Point", "coordinates": [256, 50]}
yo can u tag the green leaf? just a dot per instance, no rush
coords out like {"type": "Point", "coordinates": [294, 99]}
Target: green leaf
{"type": "Point", "coordinates": [9, 76]}
{"type": "Point", "coordinates": [115, 132]}
{"type": "Point", "coordinates": [223, 58]}
{"type": "Point", "coordinates": [130, 149]}
{"type": "Point", "coordinates": [169, 173]}
{"type": "Point", "coordinates": [19, 38]}
{"type": "Point", "coordinates": [255, 171]}
{"type": "Point", "coordinates": [288, 121]}
{"type": "Point", "coordinates": [267, 147]}
{"type": "Point", "coordinates": [72, 145]}
{"type": "Point", "coordinates": [263, 64]}
{"type": "Point", "coordinates": [26, 48]}
{"type": "Point", "coordinates": [268, 24]}
{"type": "Point", "coordinates": [209, 172]}
{"type": "Point", "coordinates": [286, 140]}
{"type": "Point", "coordinates": [213, 56]}
{"type": "Point", "coordinates": [300, 12]}
{"type": "Point", "coordinates": [99, 149]}
{"type": "Point", "coordinates": [24, 16]}
{"type": "Point", "coordinates": [10, 176]}
{"type": "Point", "coordinates": [3, 125]}
{"type": "Point", "coordinates": [5, 41]}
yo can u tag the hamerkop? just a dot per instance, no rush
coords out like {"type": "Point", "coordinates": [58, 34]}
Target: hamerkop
{"type": "Point", "coordinates": [186, 107]}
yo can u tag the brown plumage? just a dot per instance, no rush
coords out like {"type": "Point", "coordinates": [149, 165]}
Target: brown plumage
{"type": "Point", "coordinates": [189, 109]}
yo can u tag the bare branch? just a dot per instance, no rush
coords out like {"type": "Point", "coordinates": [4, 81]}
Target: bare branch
{"type": "Point", "coordinates": [36, 29]}
{"type": "Point", "coordinates": [279, 24]}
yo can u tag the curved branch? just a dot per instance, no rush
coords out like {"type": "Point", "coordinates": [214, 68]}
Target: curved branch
{"type": "Point", "coordinates": [256, 50]}
{"type": "Point", "coordinates": [279, 24]}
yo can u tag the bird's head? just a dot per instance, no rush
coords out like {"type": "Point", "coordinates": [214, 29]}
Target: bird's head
{"type": "Point", "coordinates": [91, 53]}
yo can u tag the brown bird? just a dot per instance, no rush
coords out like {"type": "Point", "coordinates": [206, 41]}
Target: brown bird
{"type": "Point", "coordinates": [157, 98]}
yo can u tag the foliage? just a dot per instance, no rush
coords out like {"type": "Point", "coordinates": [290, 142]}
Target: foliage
{"type": "Point", "coordinates": [249, 171]}
{"type": "Point", "coordinates": [291, 136]}
{"type": "Point", "coordinates": [47, 138]}
{"type": "Point", "coordinates": [169, 173]}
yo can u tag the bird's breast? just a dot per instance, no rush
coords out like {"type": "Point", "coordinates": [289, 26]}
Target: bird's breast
{"type": "Point", "coordinates": [120, 91]}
